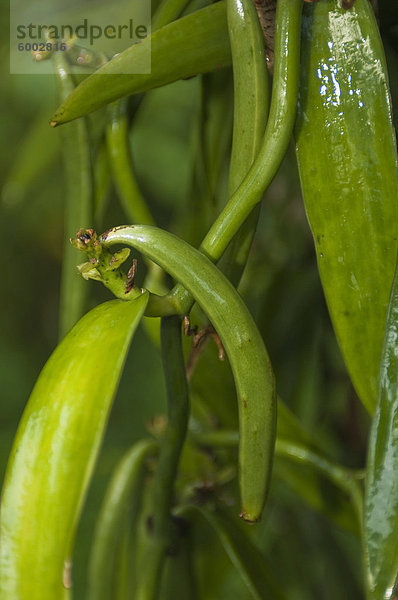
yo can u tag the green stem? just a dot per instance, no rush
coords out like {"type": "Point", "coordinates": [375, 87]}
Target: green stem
{"type": "Point", "coordinates": [222, 438]}
{"type": "Point", "coordinates": [78, 203]}
{"type": "Point", "coordinates": [132, 201]}
{"type": "Point", "coordinates": [178, 412]}
{"type": "Point", "coordinates": [161, 532]}
{"type": "Point", "coordinates": [102, 180]}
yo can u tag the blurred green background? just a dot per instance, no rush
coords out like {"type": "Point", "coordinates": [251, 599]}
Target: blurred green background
{"type": "Point", "coordinates": [281, 286]}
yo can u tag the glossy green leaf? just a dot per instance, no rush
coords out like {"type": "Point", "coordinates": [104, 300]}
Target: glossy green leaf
{"type": "Point", "coordinates": [381, 503]}
{"type": "Point", "coordinates": [347, 158]}
{"type": "Point", "coordinates": [194, 44]}
{"type": "Point", "coordinates": [55, 450]}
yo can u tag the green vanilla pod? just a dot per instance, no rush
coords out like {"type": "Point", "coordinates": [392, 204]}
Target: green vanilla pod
{"type": "Point", "coordinates": [55, 450]}
{"type": "Point", "coordinates": [245, 348]}
{"type": "Point", "coordinates": [278, 131]}
{"type": "Point", "coordinates": [194, 44]}
{"type": "Point", "coordinates": [251, 104]}
{"type": "Point", "coordinates": [347, 158]}
{"type": "Point", "coordinates": [251, 88]}
{"type": "Point", "coordinates": [381, 492]}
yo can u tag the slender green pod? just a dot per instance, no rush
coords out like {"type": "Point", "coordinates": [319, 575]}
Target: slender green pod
{"type": "Point", "coordinates": [277, 133]}
{"type": "Point", "coordinates": [347, 158]}
{"type": "Point", "coordinates": [194, 44]}
{"type": "Point", "coordinates": [381, 494]}
{"type": "Point", "coordinates": [55, 450]}
{"type": "Point", "coordinates": [121, 494]}
{"type": "Point", "coordinates": [251, 105]}
{"type": "Point", "coordinates": [251, 90]}
{"type": "Point", "coordinates": [78, 203]}
{"type": "Point", "coordinates": [245, 348]}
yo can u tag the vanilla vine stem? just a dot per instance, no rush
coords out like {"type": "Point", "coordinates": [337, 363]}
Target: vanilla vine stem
{"type": "Point", "coordinates": [161, 526]}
